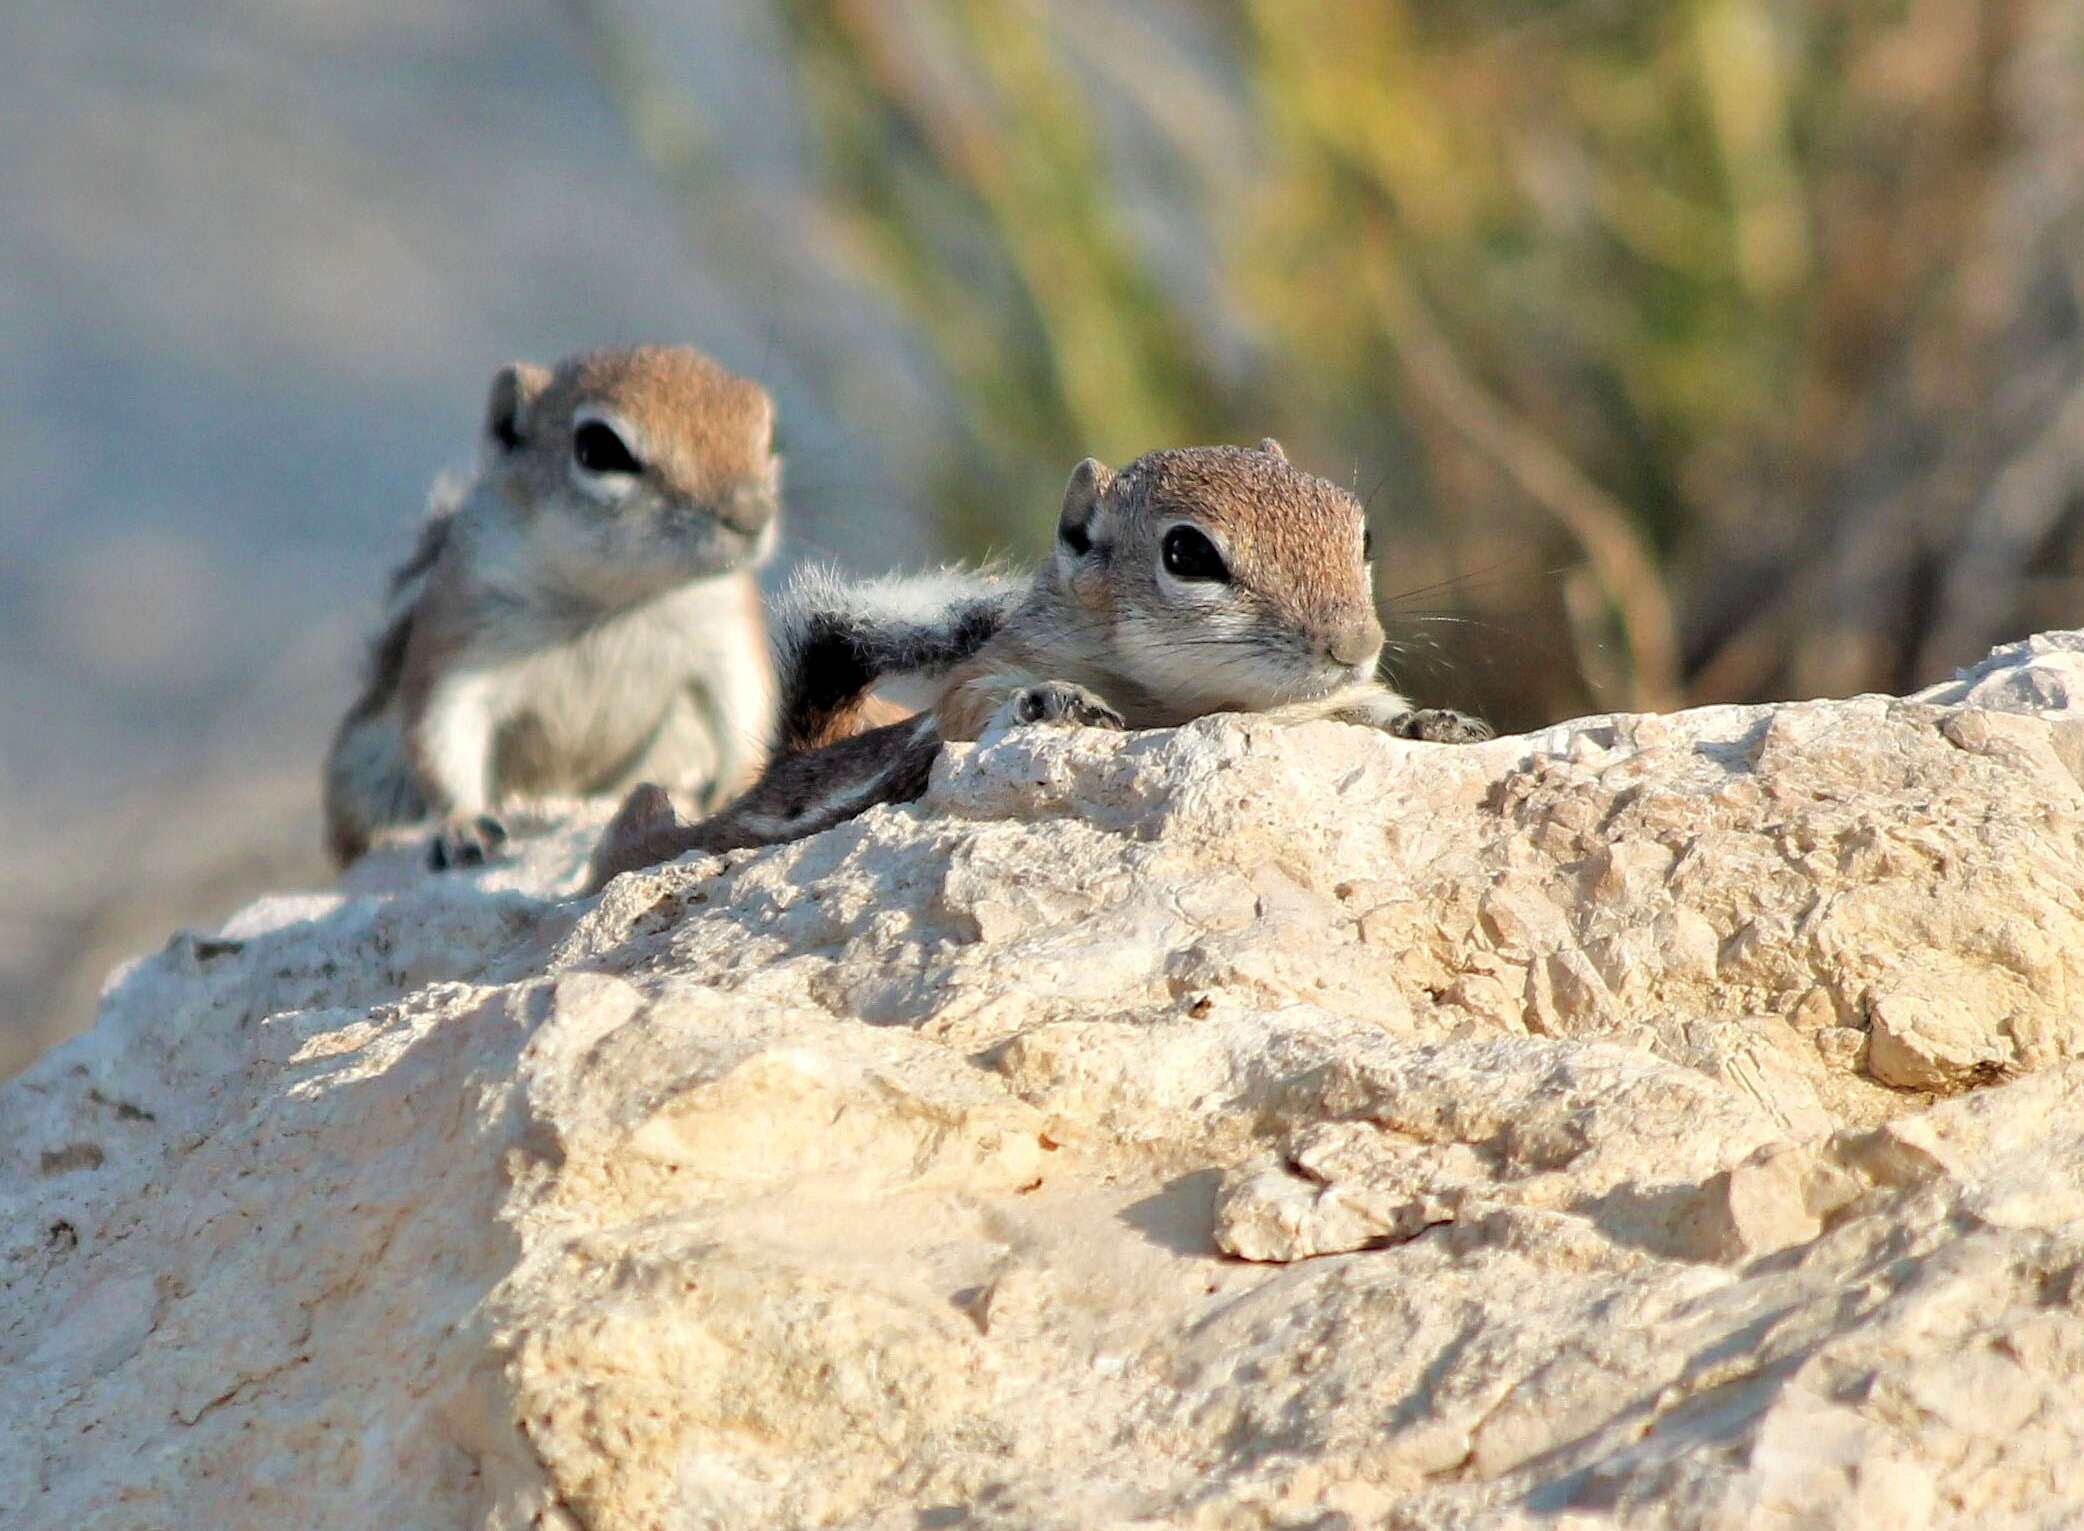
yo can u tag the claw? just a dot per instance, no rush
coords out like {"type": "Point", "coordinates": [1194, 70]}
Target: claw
{"type": "Point", "coordinates": [466, 843]}
{"type": "Point", "coordinates": [1440, 725]}
{"type": "Point", "coordinates": [1059, 701]}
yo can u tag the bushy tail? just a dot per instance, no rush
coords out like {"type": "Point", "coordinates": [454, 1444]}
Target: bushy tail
{"type": "Point", "coordinates": [835, 638]}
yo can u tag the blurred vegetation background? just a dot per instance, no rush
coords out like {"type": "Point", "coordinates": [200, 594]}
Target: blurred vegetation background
{"type": "Point", "coordinates": [1686, 352]}
{"type": "Point", "coordinates": [1683, 352]}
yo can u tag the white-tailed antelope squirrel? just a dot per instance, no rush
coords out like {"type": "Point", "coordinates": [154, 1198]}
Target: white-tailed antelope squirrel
{"type": "Point", "coordinates": [583, 615]}
{"type": "Point", "coordinates": [1199, 580]}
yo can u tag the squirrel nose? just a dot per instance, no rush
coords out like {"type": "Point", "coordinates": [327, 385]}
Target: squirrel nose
{"type": "Point", "coordinates": [1356, 642]}
{"type": "Point", "coordinates": [745, 509]}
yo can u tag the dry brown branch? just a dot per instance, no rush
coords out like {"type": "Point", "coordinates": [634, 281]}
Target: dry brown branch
{"type": "Point", "coordinates": [2013, 518]}
{"type": "Point", "coordinates": [1598, 522]}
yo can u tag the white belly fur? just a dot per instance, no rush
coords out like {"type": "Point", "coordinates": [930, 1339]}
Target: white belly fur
{"type": "Point", "coordinates": [644, 694]}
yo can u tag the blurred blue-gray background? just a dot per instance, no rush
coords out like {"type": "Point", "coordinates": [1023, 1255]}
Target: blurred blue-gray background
{"type": "Point", "coordinates": [257, 266]}
{"type": "Point", "coordinates": [1695, 351]}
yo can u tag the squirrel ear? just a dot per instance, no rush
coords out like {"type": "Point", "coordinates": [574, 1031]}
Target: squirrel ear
{"type": "Point", "coordinates": [1272, 448]}
{"type": "Point", "coordinates": [515, 388]}
{"type": "Point", "coordinates": [1074, 526]}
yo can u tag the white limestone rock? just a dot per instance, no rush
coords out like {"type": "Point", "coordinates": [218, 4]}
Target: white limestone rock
{"type": "Point", "coordinates": [1654, 1121]}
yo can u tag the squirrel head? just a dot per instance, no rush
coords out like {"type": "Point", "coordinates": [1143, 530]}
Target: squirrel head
{"type": "Point", "coordinates": [1225, 576]}
{"type": "Point", "coordinates": [651, 464]}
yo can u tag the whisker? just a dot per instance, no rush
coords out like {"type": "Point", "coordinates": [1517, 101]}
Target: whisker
{"type": "Point", "coordinates": [1367, 502]}
{"type": "Point", "coordinates": [1442, 616]}
{"type": "Point", "coordinates": [1477, 579]}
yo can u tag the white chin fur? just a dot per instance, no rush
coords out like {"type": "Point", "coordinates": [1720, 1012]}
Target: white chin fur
{"type": "Point", "coordinates": [1217, 670]}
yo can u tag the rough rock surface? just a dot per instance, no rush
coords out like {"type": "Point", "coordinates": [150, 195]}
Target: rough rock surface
{"type": "Point", "coordinates": [1656, 1121]}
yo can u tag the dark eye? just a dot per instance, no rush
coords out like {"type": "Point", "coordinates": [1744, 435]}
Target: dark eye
{"type": "Point", "coordinates": [1367, 543]}
{"type": "Point", "coordinates": [597, 449]}
{"type": "Point", "coordinates": [1190, 555]}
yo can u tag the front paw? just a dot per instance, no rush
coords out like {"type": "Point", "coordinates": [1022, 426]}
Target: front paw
{"type": "Point", "coordinates": [1059, 701]}
{"type": "Point", "coordinates": [466, 842]}
{"type": "Point", "coordinates": [1439, 725]}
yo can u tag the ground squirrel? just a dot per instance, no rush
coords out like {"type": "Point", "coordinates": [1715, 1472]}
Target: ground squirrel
{"type": "Point", "coordinates": [1199, 580]}
{"type": "Point", "coordinates": [582, 614]}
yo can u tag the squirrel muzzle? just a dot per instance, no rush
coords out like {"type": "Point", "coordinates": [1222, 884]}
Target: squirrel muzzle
{"type": "Point", "coordinates": [1354, 643]}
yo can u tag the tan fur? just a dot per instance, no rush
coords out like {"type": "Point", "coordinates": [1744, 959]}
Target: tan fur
{"type": "Point", "coordinates": [871, 712]}
{"type": "Point", "coordinates": [1292, 626]}
{"type": "Point", "coordinates": [1104, 636]}
{"type": "Point", "coordinates": [569, 631]}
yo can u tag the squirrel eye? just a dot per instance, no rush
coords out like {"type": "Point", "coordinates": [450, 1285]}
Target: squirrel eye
{"type": "Point", "coordinates": [1190, 555]}
{"type": "Point", "coordinates": [1367, 542]}
{"type": "Point", "coordinates": [597, 449]}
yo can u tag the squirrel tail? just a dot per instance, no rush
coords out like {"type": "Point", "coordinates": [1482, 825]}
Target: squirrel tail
{"type": "Point", "coordinates": [835, 638]}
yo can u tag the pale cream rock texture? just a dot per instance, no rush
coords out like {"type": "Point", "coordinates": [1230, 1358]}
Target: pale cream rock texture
{"type": "Point", "coordinates": [1652, 1122]}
